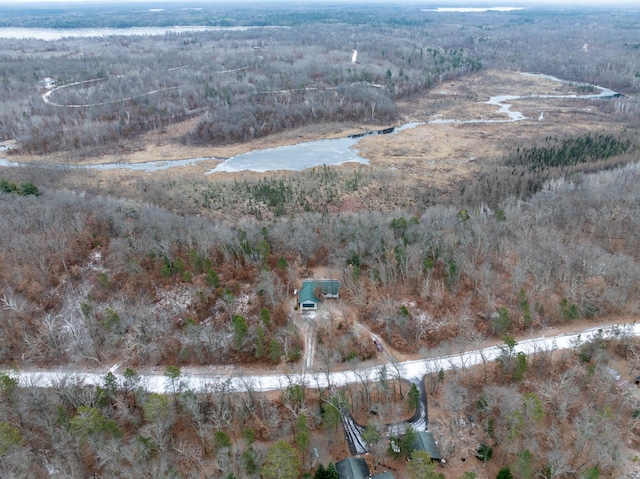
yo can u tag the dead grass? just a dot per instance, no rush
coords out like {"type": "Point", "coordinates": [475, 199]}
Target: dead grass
{"type": "Point", "coordinates": [439, 153]}
{"type": "Point", "coordinates": [429, 155]}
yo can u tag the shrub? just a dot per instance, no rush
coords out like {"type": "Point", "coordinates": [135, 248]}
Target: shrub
{"type": "Point", "coordinates": [26, 188]}
{"type": "Point", "coordinates": [504, 473]}
{"type": "Point", "coordinates": [484, 452]}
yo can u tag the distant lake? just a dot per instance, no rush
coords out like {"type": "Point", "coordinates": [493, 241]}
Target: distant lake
{"type": "Point", "coordinates": [52, 34]}
{"type": "Point", "coordinates": [471, 9]}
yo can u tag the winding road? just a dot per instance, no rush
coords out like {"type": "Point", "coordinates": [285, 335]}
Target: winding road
{"type": "Point", "coordinates": [201, 378]}
{"type": "Point", "coordinates": [46, 97]}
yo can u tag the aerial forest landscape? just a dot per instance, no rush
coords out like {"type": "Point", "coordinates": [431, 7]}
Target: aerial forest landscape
{"type": "Point", "coordinates": [274, 240]}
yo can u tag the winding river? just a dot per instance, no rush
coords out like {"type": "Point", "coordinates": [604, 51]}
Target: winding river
{"type": "Point", "coordinates": [333, 152]}
{"type": "Point", "coordinates": [147, 166]}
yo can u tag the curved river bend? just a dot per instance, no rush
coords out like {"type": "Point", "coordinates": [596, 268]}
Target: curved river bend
{"type": "Point", "coordinates": [309, 154]}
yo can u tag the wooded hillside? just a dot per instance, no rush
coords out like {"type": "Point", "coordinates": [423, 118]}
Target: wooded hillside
{"type": "Point", "coordinates": [176, 271]}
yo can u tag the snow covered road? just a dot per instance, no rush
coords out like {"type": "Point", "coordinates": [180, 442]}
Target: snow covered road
{"type": "Point", "coordinates": [199, 380]}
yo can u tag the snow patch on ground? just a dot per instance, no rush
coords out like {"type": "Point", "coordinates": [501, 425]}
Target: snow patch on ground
{"type": "Point", "coordinates": [69, 329]}
{"type": "Point", "coordinates": [96, 262]}
{"type": "Point", "coordinates": [242, 303]}
{"type": "Point", "coordinates": [173, 300]}
{"type": "Point", "coordinates": [423, 317]}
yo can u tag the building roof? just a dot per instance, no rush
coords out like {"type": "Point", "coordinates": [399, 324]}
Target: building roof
{"type": "Point", "coordinates": [352, 468]}
{"type": "Point", "coordinates": [382, 475]}
{"type": "Point", "coordinates": [425, 442]}
{"type": "Point", "coordinates": [310, 286]}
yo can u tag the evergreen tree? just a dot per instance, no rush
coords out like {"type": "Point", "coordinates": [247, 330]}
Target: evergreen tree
{"type": "Point", "coordinates": [504, 473]}
{"type": "Point", "coordinates": [282, 462]}
{"type": "Point", "coordinates": [321, 473]}
{"type": "Point", "coordinates": [332, 471]}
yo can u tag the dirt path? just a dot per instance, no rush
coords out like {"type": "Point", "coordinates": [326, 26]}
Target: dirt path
{"type": "Point", "coordinates": [307, 329]}
{"type": "Point", "coordinates": [386, 354]}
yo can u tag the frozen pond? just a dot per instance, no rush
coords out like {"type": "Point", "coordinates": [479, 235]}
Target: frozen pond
{"type": "Point", "coordinates": [295, 157]}
{"type": "Point", "coordinates": [309, 154]}
{"type": "Point", "coordinates": [304, 155]}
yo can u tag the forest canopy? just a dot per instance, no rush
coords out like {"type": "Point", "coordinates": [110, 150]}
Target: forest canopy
{"type": "Point", "coordinates": [471, 230]}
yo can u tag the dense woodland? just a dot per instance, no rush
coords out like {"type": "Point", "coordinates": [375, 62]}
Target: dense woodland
{"type": "Point", "coordinates": [262, 80]}
{"type": "Point", "coordinates": [172, 272]}
{"type": "Point", "coordinates": [102, 264]}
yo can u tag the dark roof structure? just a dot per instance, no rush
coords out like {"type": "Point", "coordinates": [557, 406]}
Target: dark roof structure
{"type": "Point", "coordinates": [425, 442]}
{"type": "Point", "coordinates": [352, 468]}
{"type": "Point", "coordinates": [357, 468]}
{"type": "Point", "coordinates": [383, 475]}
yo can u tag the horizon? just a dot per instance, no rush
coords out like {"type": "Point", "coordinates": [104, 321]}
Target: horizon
{"type": "Point", "coordinates": [424, 4]}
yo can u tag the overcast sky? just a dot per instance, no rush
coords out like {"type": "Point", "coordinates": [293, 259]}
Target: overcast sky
{"type": "Point", "coordinates": [423, 3]}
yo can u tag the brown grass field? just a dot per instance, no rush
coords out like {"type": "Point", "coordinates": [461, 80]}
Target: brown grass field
{"type": "Point", "coordinates": [433, 153]}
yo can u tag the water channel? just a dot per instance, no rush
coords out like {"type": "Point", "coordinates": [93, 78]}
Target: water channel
{"type": "Point", "coordinates": [332, 152]}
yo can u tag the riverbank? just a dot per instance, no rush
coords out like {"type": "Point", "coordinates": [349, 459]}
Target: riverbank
{"type": "Point", "coordinates": [463, 122]}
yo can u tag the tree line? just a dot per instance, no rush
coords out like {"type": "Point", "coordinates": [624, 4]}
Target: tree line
{"type": "Point", "coordinates": [527, 170]}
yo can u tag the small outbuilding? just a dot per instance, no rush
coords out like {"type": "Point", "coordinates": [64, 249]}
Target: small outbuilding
{"type": "Point", "coordinates": [382, 475]}
{"type": "Point", "coordinates": [352, 468]}
{"type": "Point", "coordinates": [357, 468]}
{"type": "Point", "coordinates": [425, 442]}
{"type": "Point", "coordinates": [313, 289]}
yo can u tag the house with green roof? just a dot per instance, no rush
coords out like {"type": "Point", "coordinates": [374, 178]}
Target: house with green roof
{"type": "Point", "coordinates": [425, 442]}
{"type": "Point", "coordinates": [382, 475]}
{"type": "Point", "coordinates": [357, 468]}
{"type": "Point", "coordinates": [352, 468]}
{"type": "Point", "coordinates": [313, 289]}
